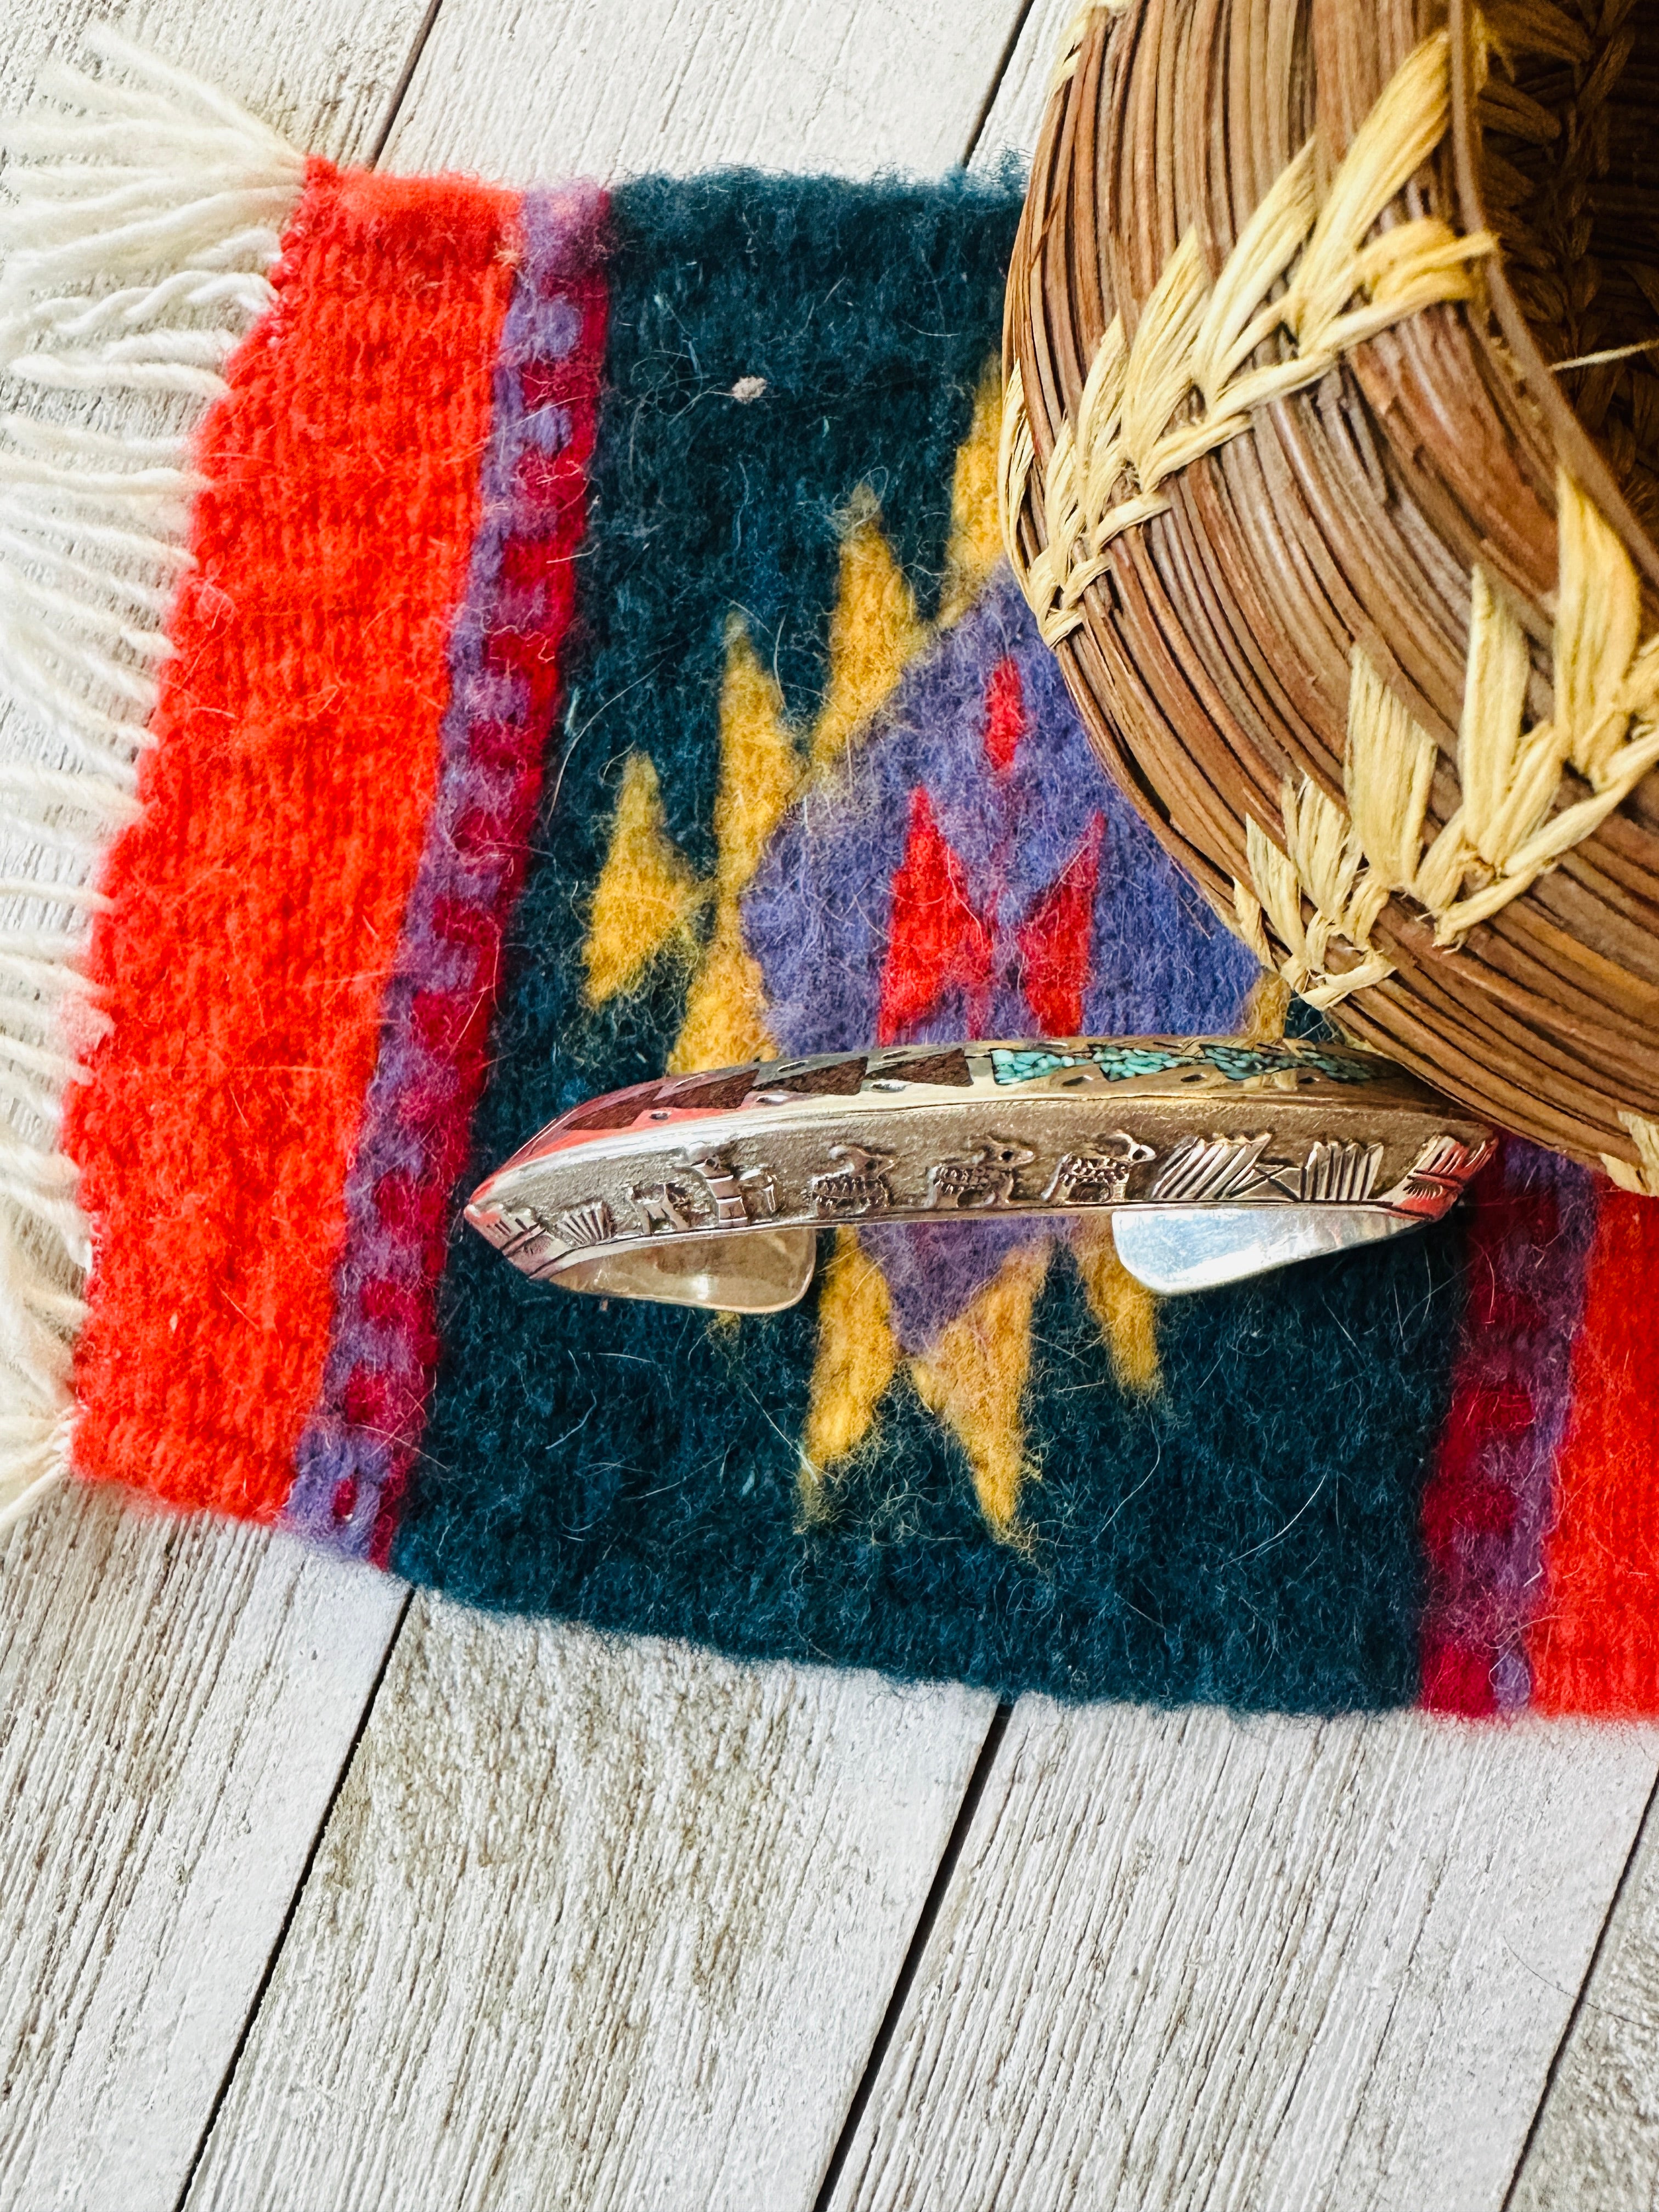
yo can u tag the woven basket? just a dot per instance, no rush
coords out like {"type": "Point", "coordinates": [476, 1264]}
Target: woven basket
{"type": "Point", "coordinates": [1356, 590]}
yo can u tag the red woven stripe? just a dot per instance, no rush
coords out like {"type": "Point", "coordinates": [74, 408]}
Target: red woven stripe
{"type": "Point", "coordinates": [258, 902]}
{"type": "Point", "coordinates": [1594, 1648]}
{"type": "Point", "coordinates": [1490, 1498]}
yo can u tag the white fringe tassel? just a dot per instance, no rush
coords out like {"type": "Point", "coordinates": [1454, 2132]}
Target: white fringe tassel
{"type": "Point", "coordinates": [147, 210]}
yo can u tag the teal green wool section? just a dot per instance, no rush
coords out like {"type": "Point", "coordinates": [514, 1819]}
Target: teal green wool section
{"type": "Point", "coordinates": [1247, 1535]}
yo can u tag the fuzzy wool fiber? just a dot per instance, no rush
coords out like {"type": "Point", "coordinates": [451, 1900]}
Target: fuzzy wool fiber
{"type": "Point", "coordinates": [779, 352]}
{"type": "Point", "coordinates": [572, 642]}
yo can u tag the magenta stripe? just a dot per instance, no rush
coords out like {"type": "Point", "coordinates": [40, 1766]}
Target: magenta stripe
{"type": "Point", "coordinates": [1488, 1507]}
{"type": "Point", "coordinates": [401, 1194]}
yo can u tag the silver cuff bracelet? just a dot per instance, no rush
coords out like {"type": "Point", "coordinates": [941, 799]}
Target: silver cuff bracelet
{"type": "Point", "coordinates": [1216, 1159]}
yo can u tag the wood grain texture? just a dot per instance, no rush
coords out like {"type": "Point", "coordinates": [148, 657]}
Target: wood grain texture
{"type": "Point", "coordinates": [177, 1700]}
{"type": "Point", "coordinates": [539, 89]}
{"type": "Point", "coordinates": [614, 1924]}
{"type": "Point", "coordinates": [593, 1924]}
{"type": "Point", "coordinates": [1596, 2148]}
{"type": "Point", "coordinates": [1015, 116]}
{"type": "Point", "coordinates": [1188, 1961]}
{"type": "Point", "coordinates": [321, 73]}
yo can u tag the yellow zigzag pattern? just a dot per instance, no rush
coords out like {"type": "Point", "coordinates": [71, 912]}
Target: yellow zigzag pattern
{"type": "Point", "coordinates": [650, 899]}
{"type": "Point", "coordinates": [974, 1378]}
{"type": "Point", "coordinates": [858, 1356]}
{"type": "Point", "coordinates": [650, 902]}
{"type": "Point", "coordinates": [648, 896]}
{"type": "Point", "coordinates": [725, 1019]}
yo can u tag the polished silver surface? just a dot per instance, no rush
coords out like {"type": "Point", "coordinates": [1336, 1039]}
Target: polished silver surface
{"type": "Point", "coordinates": [1198, 1247]}
{"type": "Point", "coordinates": [1216, 1159]}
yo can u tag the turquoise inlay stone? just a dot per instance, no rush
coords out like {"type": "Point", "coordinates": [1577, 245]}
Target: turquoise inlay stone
{"type": "Point", "coordinates": [1119, 1061]}
{"type": "Point", "coordinates": [1022, 1067]}
{"type": "Point", "coordinates": [1341, 1068]}
{"type": "Point", "coordinates": [1237, 1062]}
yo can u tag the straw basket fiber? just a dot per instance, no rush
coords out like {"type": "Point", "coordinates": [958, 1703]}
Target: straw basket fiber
{"type": "Point", "coordinates": [1330, 467]}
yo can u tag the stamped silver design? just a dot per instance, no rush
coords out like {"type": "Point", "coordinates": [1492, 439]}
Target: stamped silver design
{"type": "Point", "coordinates": [672, 1205]}
{"type": "Point", "coordinates": [1210, 1170]}
{"type": "Point", "coordinates": [1333, 1175]}
{"type": "Point", "coordinates": [1222, 1170]}
{"type": "Point", "coordinates": [710, 1193]}
{"type": "Point", "coordinates": [711, 1190]}
{"type": "Point", "coordinates": [984, 1178]}
{"type": "Point", "coordinates": [512, 1228]}
{"type": "Point", "coordinates": [589, 1224]}
{"type": "Point", "coordinates": [1099, 1177]}
{"type": "Point", "coordinates": [857, 1186]}
{"type": "Point", "coordinates": [739, 1196]}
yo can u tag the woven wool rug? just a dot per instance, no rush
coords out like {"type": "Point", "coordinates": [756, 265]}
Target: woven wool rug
{"type": "Point", "coordinates": [561, 637]}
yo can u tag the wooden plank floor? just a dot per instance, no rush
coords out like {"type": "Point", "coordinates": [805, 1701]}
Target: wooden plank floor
{"type": "Point", "coordinates": [313, 1896]}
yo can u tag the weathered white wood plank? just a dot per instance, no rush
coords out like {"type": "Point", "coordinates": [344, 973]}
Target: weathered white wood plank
{"type": "Point", "coordinates": [177, 1700]}
{"type": "Point", "coordinates": [1186, 1961]}
{"type": "Point", "coordinates": [1016, 112]}
{"type": "Point", "coordinates": [176, 1703]}
{"type": "Point", "coordinates": [595, 1923]}
{"type": "Point", "coordinates": [321, 73]}
{"type": "Point", "coordinates": [1325, 2049]}
{"type": "Point", "coordinates": [1596, 2145]}
{"type": "Point", "coordinates": [611, 1924]}
{"type": "Point", "coordinates": [545, 89]}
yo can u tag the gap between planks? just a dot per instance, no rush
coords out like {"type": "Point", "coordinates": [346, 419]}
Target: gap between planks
{"type": "Point", "coordinates": [596, 1921]}
{"type": "Point", "coordinates": [943, 1874]}
{"type": "Point", "coordinates": [1099, 1760]}
{"type": "Point", "coordinates": [326, 86]}
{"type": "Point", "coordinates": [1190, 1961]}
{"type": "Point", "coordinates": [407, 1597]}
{"type": "Point", "coordinates": [468, 136]}
{"type": "Point", "coordinates": [178, 1699]}
{"type": "Point", "coordinates": [1594, 2143]}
